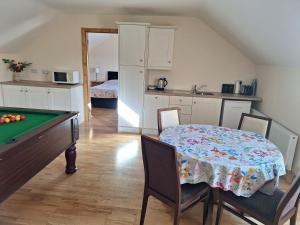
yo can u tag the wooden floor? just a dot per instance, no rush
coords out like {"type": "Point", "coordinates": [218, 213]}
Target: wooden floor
{"type": "Point", "coordinates": [106, 190]}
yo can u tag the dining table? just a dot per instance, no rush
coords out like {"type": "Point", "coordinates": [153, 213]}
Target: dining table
{"type": "Point", "coordinates": [230, 159]}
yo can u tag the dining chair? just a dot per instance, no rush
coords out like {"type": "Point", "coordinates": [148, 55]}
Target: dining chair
{"type": "Point", "coordinates": [162, 181]}
{"type": "Point", "coordinates": [257, 124]}
{"type": "Point", "coordinates": [273, 209]}
{"type": "Point", "coordinates": [167, 117]}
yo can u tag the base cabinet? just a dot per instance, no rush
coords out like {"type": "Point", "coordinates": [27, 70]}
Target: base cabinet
{"type": "Point", "coordinates": [151, 104]}
{"type": "Point", "coordinates": [36, 98]}
{"type": "Point", "coordinates": [15, 96]}
{"type": "Point", "coordinates": [59, 99]}
{"type": "Point", "coordinates": [65, 99]}
{"type": "Point", "coordinates": [206, 111]}
{"type": "Point", "coordinates": [1, 96]}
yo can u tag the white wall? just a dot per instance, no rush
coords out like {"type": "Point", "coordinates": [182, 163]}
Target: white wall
{"type": "Point", "coordinates": [103, 53]}
{"type": "Point", "coordinates": [201, 55]}
{"type": "Point", "coordinates": [279, 88]}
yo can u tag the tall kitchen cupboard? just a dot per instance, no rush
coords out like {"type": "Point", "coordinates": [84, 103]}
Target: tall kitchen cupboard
{"type": "Point", "coordinates": [132, 54]}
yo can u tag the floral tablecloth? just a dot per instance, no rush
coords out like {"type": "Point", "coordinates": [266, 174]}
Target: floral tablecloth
{"type": "Point", "coordinates": [230, 159]}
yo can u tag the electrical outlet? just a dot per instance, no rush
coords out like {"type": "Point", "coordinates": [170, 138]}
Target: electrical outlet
{"type": "Point", "coordinates": [33, 70]}
{"type": "Point", "coordinates": [45, 72]}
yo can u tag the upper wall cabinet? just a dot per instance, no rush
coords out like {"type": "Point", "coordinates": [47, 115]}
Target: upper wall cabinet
{"type": "Point", "coordinates": [161, 44]}
{"type": "Point", "coordinates": [132, 44]}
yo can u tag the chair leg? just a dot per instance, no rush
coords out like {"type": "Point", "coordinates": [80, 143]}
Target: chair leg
{"type": "Point", "coordinates": [177, 216]}
{"type": "Point", "coordinates": [208, 209]}
{"type": "Point", "coordinates": [144, 208]}
{"type": "Point", "coordinates": [293, 219]}
{"type": "Point", "coordinates": [219, 212]}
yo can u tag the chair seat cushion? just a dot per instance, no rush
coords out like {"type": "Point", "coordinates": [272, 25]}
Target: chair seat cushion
{"type": "Point", "coordinates": [262, 204]}
{"type": "Point", "coordinates": [190, 191]}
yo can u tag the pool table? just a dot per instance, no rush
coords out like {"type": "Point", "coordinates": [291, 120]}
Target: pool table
{"type": "Point", "coordinates": [27, 146]}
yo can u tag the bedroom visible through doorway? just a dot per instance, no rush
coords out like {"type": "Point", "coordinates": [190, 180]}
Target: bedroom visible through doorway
{"type": "Point", "coordinates": [102, 65]}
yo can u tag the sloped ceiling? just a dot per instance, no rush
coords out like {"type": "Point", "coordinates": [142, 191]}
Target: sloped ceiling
{"type": "Point", "coordinates": [19, 20]}
{"type": "Point", "coordinates": [268, 31]}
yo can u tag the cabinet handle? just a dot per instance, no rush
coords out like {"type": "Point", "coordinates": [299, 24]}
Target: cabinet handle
{"type": "Point", "coordinates": [169, 61]}
{"type": "Point", "coordinates": [180, 100]}
{"type": "Point", "coordinates": [141, 71]}
{"type": "Point", "coordinates": [156, 97]}
{"type": "Point", "coordinates": [194, 102]}
{"type": "Point", "coordinates": [141, 60]}
{"type": "Point", "coordinates": [48, 92]}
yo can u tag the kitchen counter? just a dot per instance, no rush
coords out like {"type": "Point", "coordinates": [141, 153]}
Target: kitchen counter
{"type": "Point", "coordinates": [40, 84]}
{"type": "Point", "coordinates": [170, 92]}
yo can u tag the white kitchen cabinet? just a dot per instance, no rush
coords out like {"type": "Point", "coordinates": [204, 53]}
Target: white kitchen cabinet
{"type": "Point", "coordinates": [1, 96]}
{"type": "Point", "coordinates": [59, 99]}
{"type": "Point", "coordinates": [185, 107]}
{"type": "Point", "coordinates": [14, 96]}
{"type": "Point", "coordinates": [66, 99]}
{"type": "Point", "coordinates": [36, 98]}
{"type": "Point", "coordinates": [132, 44]}
{"type": "Point", "coordinates": [181, 100]}
{"type": "Point", "coordinates": [232, 111]}
{"type": "Point", "coordinates": [161, 45]}
{"type": "Point", "coordinates": [151, 104]}
{"type": "Point", "coordinates": [130, 100]}
{"type": "Point", "coordinates": [206, 111]}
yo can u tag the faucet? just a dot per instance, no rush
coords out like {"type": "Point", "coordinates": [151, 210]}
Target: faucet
{"type": "Point", "coordinates": [195, 89]}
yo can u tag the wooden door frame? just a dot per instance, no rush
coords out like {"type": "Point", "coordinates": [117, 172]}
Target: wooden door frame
{"type": "Point", "coordinates": [86, 80]}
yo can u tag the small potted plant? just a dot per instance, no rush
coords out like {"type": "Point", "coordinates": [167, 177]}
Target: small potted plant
{"type": "Point", "coordinates": [16, 67]}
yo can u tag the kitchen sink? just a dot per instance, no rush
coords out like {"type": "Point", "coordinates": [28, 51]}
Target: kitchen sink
{"type": "Point", "coordinates": [204, 93]}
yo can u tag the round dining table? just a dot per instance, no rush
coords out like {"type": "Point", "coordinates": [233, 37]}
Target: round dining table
{"type": "Point", "coordinates": [229, 159]}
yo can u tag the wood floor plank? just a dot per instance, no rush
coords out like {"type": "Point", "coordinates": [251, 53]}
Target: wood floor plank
{"type": "Point", "coordinates": [106, 190]}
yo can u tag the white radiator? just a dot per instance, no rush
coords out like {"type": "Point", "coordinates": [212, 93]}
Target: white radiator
{"type": "Point", "coordinates": [283, 138]}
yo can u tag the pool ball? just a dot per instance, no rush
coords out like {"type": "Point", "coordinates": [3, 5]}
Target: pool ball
{"type": "Point", "coordinates": [6, 120]}
{"type": "Point", "coordinates": [22, 117]}
{"type": "Point", "coordinates": [1, 120]}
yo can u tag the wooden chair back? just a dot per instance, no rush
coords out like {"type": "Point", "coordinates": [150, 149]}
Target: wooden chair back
{"type": "Point", "coordinates": [160, 166]}
{"type": "Point", "coordinates": [289, 202]}
{"type": "Point", "coordinates": [167, 117]}
{"type": "Point", "coordinates": [257, 124]}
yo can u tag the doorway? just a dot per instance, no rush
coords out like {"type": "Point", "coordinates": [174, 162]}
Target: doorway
{"type": "Point", "coordinates": [100, 77]}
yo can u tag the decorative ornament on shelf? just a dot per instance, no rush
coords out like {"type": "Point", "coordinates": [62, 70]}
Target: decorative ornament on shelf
{"type": "Point", "coordinates": [16, 67]}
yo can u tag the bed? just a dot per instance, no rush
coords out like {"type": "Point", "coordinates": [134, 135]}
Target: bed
{"type": "Point", "coordinates": [106, 95]}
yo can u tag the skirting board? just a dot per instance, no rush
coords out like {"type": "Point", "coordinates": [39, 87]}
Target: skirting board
{"type": "Point", "coordinates": [134, 130]}
{"type": "Point", "coordinates": [150, 131]}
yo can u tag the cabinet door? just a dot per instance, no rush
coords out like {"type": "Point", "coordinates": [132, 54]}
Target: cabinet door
{"type": "Point", "coordinates": [131, 92]}
{"type": "Point", "coordinates": [132, 42]}
{"type": "Point", "coordinates": [161, 44]}
{"type": "Point", "coordinates": [14, 96]}
{"type": "Point", "coordinates": [37, 97]}
{"type": "Point", "coordinates": [206, 111]}
{"type": "Point", "coordinates": [59, 99]}
{"type": "Point", "coordinates": [1, 96]}
{"type": "Point", "coordinates": [151, 104]}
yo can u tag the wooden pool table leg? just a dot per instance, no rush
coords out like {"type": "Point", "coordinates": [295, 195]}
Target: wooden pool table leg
{"type": "Point", "coordinates": [70, 155]}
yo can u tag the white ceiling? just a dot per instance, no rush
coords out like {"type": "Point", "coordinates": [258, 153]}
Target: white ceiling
{"type": "Point", "coordinates": [268, 31]}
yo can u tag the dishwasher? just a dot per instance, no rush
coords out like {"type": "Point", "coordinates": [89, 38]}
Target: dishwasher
{"type": "Point", "coordinates": [232, 111]}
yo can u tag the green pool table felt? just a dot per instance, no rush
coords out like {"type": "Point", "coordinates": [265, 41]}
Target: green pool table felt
{"type": "Point", "coordinates": [13, 130]}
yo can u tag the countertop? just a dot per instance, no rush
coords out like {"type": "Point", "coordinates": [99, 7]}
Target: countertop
{"type": "Point", "coordinates": [170, 92]}
{"type": "Point", "coordinates": [40, 84]}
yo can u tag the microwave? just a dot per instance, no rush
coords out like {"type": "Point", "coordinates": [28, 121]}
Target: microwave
{"type": "Point", "coordinates": [66, 77]}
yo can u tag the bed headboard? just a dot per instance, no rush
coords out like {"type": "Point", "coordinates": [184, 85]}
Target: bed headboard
{"type": "Point", "coordinates": [112, 75]}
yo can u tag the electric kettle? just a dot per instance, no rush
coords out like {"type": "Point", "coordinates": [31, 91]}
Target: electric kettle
{"type": "Point", "coordinates": [162, 83]}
